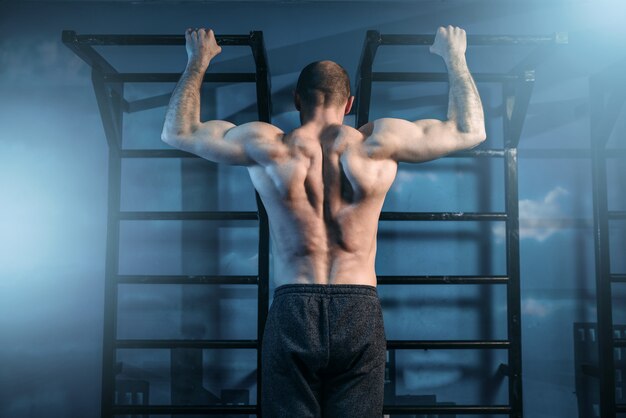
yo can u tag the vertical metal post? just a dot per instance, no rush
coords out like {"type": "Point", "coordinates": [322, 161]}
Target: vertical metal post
{"type": "Point", "coordinates": [602, 257]}
{"type": "Point", "coordinates": [364, 81]}
{"type": "Point", "coordinates": [263, 91]}
{"type": "Point", "coordinates": [512, 259]}
{"type": "Point", "coordinates": [109, 104]}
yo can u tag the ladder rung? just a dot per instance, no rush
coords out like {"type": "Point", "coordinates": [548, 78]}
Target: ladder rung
{"type": "Point", "coordinates": [252, 409]}
{"type": "Point", "coordinates": [617, 214]}
{"type": "Point", "coordinates": [407, 39]}
{"type": "Point", "coordinates": [174, 77]}
{"type": "Point", "coordinates": [136, 410]}
{"type": "Point", "coordinates": [442, 216]}
{"type": "Point", "coordinates": [442, 279]}
{"type": "Point", "coordinates": [145, 344]}
{"type": "Point", "coordinates": [112, 39]}
{"type": "Point", "coordinates": [189, 215]}
{"type": "Point", "coordinates": [619, 342]}
{"type": "Point", "coordinates": [392, 344]}
{"type": "Point", "coordinates": [618, 278]}
{"type": "Point", "coordinates": [620, 407]}
{"type": "Point", "coordinates": [156, 153]}
{"type": "Point", "coordinates": [415, 77]}
{"type": "Point", "coordinates": [448, 344]}
{"type": "Point", "coordinates": [146, 279]}
{"type": "Point", "coordinates": [486, 152]}
{"type": "Point", "coordinates": [447, 409]}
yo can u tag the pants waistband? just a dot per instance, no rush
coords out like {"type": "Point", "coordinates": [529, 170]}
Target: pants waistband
{"type": "Point", "coordinates": [326, 289]}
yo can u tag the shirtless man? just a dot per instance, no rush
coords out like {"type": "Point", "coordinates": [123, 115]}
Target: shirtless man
{"type": "Point", "coordinates": [323, 185]}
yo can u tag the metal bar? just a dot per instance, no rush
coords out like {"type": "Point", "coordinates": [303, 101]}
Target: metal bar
{"type": "Point", "coordinates": [620, 407]}
{"type": "Point", "coordinates": [186, 280]}
{"type": "Point", "coordinates": [604, 299]}
{"type": "Point", "coordinates": [556, 38]}
{"type": "Point", "coordinates": [174, 77]}
{"type": "Point", "coordinates": [516, 100]}
{"type": "Point", "coordinates": [442, 216]}
{"type": "Point", "coordinates": [187, 215]}
{"type": "Point", "coordinates": [619, 342]}
{"type": "Point", "coordinates": [156, 153]}
{"type": "Point", "coordinates": [438, 77]}
{"type": "Point", "coordinates": [474, 153]}
{"type": "Point", "coordinates": [104, 98]}
{"type": "Point", "coordinates": [456, 280]}
{"type": "Point", "coordinates": [540, 54]}
{"type": "Point", "coordinates": [137, 410]}
{"type": "Point", "coordinates": [487, 153]}
{"type": "Point", "coordinates": [568, 153]}
{"type": "Point", "coordinates": [147, 40]}
{"type": "Point", "coordinates": [441, 410]}
{"type": "Point", "coordinates": [148, 103]}
{"type": "Point", "coordinates": [618, 278]}
{"type": "Point", "coordinates": [86, 52]}
{"type": "Point", "coordinates": [514, 314]}
{"type": "Point", "coordinates": [110, 114]}
{"type": "Point", "coordinates": [617, 214]}
{"type": "Point", "coordinates": [448, 344]}
{"type": "Point", "coordinates": [253, 409]}
{"type": "Point", "coordinates": [604, 127]}
{"type": "Point", "coordinates": [364, 80]}
{"type": "Point", "coordinates": [201, 344]}
{"type": "Point", "coordinates": [264, 103]}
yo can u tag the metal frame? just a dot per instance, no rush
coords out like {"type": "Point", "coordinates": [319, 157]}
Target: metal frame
{"type": "Point", "coordinates": [109, 89]}
{"type": "Point", "coordinates": [517, 88]}
{"type": "Point", "coordinates": [607, 93]}
{"type": "Point", "coordinates": [108, 85]}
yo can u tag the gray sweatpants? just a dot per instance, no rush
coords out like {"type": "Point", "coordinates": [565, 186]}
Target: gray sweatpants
{"type": "Point", "coordinates": [323, 353]}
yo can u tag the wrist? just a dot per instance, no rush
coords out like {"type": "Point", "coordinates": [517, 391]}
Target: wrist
{"type": "Point", "coordinates": [197, 65]}
{"type": "Point", "coordinates": [454, 60]}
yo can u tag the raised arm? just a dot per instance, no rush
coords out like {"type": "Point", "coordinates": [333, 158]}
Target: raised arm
{"type": "Point", "coordinates": [217, 140]}
{"type": "Point", "coordinates": [427, 139]}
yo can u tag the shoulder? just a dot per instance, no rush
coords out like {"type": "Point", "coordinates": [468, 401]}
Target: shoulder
{"type": "Point", "coordinates": [259, 130]}
{"type": "Point", "coordinates": [380, 135]}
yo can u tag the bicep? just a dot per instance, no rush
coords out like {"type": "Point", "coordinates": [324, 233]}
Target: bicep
{"type": "Point", "coordinates": [406, 141]}
{"type": "Point", "coordinates": [223, 142]}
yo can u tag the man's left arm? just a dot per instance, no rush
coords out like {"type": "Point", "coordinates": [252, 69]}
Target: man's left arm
{"type": "Point", "coordinates": [427, 139]}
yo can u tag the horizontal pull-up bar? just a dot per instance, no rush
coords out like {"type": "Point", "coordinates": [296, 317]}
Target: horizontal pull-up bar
{"type": "Point", "coordinates": [533, 40]}
{"type": "Point", "coordinates": [137, 40]}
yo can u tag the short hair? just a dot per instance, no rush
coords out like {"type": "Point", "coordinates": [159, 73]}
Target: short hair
{"type": "Point", "coordinates": [323, 83]}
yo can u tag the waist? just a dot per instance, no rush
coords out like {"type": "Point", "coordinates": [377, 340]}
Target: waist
{"type": "Point", "coordinates": [326, 289]}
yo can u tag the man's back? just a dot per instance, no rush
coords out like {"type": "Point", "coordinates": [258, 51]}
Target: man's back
{"type": "Point", "coordinates": [324, 184]}
{"type": "Point", "coordinates": [323, 195]}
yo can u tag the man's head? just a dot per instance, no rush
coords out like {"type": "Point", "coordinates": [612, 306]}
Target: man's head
{"type": "Point", "coordinates": [323, 84]}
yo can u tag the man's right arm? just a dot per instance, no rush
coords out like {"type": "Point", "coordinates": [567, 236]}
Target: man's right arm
{"type": "Point", "coordinates": [427, 139]}
{"type": "Point", "coordinates": [215, 140]}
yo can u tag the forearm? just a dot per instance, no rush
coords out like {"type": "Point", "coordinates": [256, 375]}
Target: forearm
{"type": "Point", "coordinates": [183, 112]}
{"type": "Point", "coordinates": [465, 109]}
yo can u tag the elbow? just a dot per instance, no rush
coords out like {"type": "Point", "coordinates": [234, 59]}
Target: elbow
{"type": "Point", "coordinates": [171, 138]}
{"type": "Point", "coordinates": [472, 137]}
{"type": "Point", "coordinates": [167, 138]}
{"type": "Point", "coordinates": [478, 134]}
{"type": "Point", "coordinates": [481, 136]}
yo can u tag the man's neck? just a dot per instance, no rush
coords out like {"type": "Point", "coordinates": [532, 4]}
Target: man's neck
{"type": "Point", "coordinates": [321, 117]}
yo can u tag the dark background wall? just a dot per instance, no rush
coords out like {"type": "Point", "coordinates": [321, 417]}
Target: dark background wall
{"type": "Point", "coordinates": [53, 185]}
